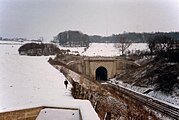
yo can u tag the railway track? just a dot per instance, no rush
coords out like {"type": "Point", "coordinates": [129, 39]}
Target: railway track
{"type": "Point", "coordinates": [153, 103]}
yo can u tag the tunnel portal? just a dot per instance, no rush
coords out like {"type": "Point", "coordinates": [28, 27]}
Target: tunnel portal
{"type": "Point", "coordinates": [101, 73]}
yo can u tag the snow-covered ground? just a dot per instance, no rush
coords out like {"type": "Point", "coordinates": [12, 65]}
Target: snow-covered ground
{"type": "Point", "coordinates": [173, 100]}
{"type": "Point", "coordinates": [105, 49]}
{"type": "Point", "coordinates": [11, 42]}
{"type": "Point", "coordinates": [101, 49]}
{"type": "Point", "coordinates": [30, 81]}
{"type": "Point", "coordinates": [74, 50]}
{"type": "Point", "coordinates": [55, 114]}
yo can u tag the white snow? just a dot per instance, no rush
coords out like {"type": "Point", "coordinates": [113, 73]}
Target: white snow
{"type": "Point", "coordinates": [168, 99]}
{"type": "Point", "coordinates": [101, 49]}
{"type": "Point", "coordinates": [55, 114]}
{"type": "Point", "coordinates": [74, 50]}
{"type": "Point", "coordinates": [105, 49]}
{"type": "Point", "coordinates": [30, 81]}
{"type": "Point", "coordinates": [11, 42]}
{"type": "Point", "coordinates": [138, 46]}
{"type": "Point", "coordinates": [86, 110]}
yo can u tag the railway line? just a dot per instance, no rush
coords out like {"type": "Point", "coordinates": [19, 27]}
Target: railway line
{"type": "Point", "coordinates": [155, 104]}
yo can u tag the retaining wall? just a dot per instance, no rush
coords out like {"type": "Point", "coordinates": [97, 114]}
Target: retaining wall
{"type": "Point", "coordinates": [108, 101]}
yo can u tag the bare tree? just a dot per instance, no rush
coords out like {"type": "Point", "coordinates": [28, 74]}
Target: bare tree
{"type": "Point", "coordinates": [122, 43]}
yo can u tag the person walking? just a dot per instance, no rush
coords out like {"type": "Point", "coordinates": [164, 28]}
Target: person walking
{"type": "Point", "coordinates": [66, 83]}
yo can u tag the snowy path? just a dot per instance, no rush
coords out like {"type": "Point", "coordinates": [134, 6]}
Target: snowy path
{"type": "Point", "coordinates": [26, 81]}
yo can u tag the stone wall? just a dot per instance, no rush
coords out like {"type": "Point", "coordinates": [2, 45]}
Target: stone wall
{"type": "Point", "coordinates": [114, 66]}
{"type": "Point", "coordinates": [91, 64]}
{"type": "Point", "coordinates": [24, 114]}
{"type": "Point", "coordinates": [109, 101]}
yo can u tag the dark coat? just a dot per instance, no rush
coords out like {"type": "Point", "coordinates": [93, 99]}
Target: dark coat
{"type": "Point", "coordinates": [66, 82]}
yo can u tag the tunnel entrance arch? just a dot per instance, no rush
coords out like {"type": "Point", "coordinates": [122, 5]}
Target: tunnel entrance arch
{"type": "Point", "coordinates": [101, 73]}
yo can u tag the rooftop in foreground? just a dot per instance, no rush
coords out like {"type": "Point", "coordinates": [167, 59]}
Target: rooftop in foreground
{"type": "Point", "coordinates": [69, 110]}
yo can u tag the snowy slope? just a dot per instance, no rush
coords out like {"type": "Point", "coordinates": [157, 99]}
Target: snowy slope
{"type": "Point", "coordinates": [172, 100]}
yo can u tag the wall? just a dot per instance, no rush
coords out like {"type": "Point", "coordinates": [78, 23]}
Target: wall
{"type": "Point", "coordinates": [91, 64]}
{"type": "Point", "coordinates": [108, 99]}
{"type": "Point", "coordinates": [25, 114]}
{"type": "Point", "coordinates": [110, 66]}
{"type": "Point", "coordinates": [114, 66]}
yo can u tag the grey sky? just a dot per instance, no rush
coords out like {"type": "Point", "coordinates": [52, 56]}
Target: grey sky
{"type": "Point", "coordinates": [36, 18]}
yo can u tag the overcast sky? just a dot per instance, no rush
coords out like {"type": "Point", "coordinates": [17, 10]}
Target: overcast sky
{"type": "Point", "coordinates": [46, 18]}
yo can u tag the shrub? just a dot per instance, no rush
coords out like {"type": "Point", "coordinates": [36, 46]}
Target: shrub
{"type": "Point", "coordinates": [166, 81]}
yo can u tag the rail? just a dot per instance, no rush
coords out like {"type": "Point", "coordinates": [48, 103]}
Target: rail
{"type": "Point", "coordinates": [155, 104]}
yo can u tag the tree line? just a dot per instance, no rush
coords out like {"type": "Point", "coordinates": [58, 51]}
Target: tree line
{"type": "Point", "coordinates": [72, 39]}
{"type": "Point", "coordinates": [132, 37]}
{"type": "Point", "coordinates": [77, 38]}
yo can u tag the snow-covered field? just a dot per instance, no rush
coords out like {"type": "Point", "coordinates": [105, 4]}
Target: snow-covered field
{"type": "Point", "coordinates": [105, 49]}
{"type": "Point", "coordinates": [101, 49]}
{"type": "Point", "coordinates": [30, 81]}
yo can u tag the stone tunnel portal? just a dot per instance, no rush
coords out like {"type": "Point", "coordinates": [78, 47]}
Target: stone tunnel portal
{"type": "Point", "coordinates": [101, 73]}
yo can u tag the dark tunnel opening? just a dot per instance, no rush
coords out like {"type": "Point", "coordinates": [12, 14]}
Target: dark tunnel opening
{"type": "Point", "coordinates": [101, 73]}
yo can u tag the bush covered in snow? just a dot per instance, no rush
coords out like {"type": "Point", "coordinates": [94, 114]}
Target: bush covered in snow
{"type": "Point", "coordinates": [35, 49]}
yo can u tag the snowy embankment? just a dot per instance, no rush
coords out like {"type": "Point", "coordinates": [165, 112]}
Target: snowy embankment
{"type": "Point", "coordinates": [30, 81]}
{"type": "Point", "coordinates": [171, 100]}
